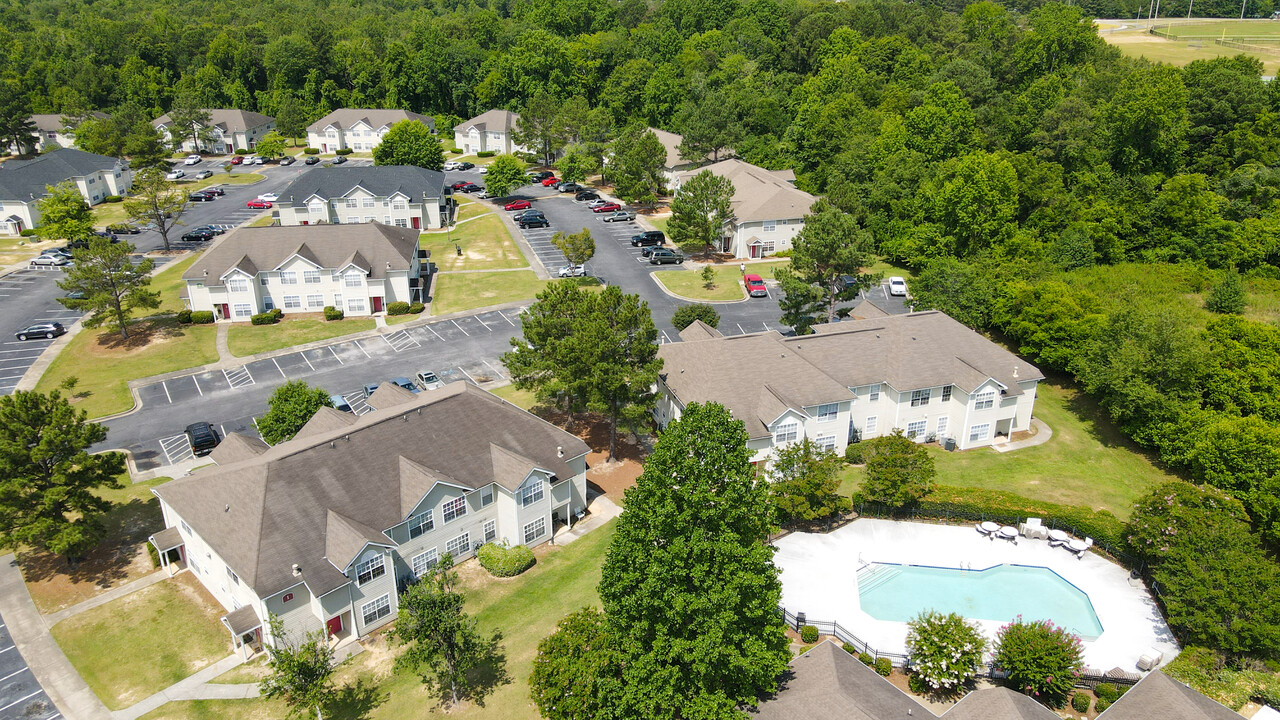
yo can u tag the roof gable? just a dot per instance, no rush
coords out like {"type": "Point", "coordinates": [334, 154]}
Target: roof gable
{"type": "Point", "coordinates": [379, 181]}
{"type": "Point", "coordinates": [417, 481]}
{"type": "Point", "coordinates": [345, 539]}
{"type": "Point", "coordinates": [372, 246]}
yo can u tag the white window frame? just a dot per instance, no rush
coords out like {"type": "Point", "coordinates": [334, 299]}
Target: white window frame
{"type": "Point", "coordinates": [451, 510]}
{"type": "Point", "coordinates": [984, 400]}
{"type": "Point", "coordinates": [399, 205]}
{"type": "Point", "coordinates": [486, 496]}
{"type": "Point", "coordinates": [826, 442]}
{"type": "Point", "coordinates": [352, 280]}
{"type": "Point", "coordinates": [292, 302]}
{"type": "Point", "coordinates": [871, 425]}
{"type": "Point", "coordinates": [375, 567]}
{"type": "Point", "coordinates": [979, 432]}
{"type": "Point", "coordinates": [462, 543]}
{"type": "Point", "coordinates": [531, 492]}
{"type": "Point", "coordinates": [237, 284]}
{"type": "Point", "coordinates": [315, 301]}
{"type": "Point", "coordinates": [185, 527]}
{"type": "Point", "coordinates": [946, 394]}
{"type": "Point", "coordinates": [874, 393]}
{"type": "Point", "coordinates": [355, 305]}
{"type": "Point", "coordinates": [401, 222]}
{"type": "Point", "coordinates": [289, 277]}
{"type": "Point", "coordinates": [424, 561]}
{"type": "Point", "coordinates": [368, 202]}
{"type": "Point", "coordinates": [231, 574]}
{"type": "Point", "coordinates": [381, 607]}
{"type": "Point", "coordinates": [422, 524]}
{"type": "Point", "coordinates": [917, 428]}
{"type": "Point", "coordinates": [352, 203]}
{"type": "Point", "coordinates": [769, 226]}
{"type": "Point", "coordinates": [535, 530]}
{"type": "Point", "coordinates": [943, 422]}
{"type": "Point", "coordinates": [490, 531]}
{"type": "Point", "coordinates": [242, 310]}
{"type": "Point", "coordinates": [920, 398]}
{"type": "Point", "coordinates": [311, 277]}
{"type": "Point", "coordinates": [828, 411]}
{"type": "Point", "coordinates": [786, 432]}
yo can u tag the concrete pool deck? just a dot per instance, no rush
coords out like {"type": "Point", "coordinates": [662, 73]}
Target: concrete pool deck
{"type": "Point", "coordinates": [819, 578]}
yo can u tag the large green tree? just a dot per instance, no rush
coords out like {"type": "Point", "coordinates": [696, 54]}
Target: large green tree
{"type": "Point", "coordinates": [577, 247]}
{"type": "Point", "coordinates": [48, 480]}
{"type": "Point", "coordinates": [827, 268]}
{"type": "Point", "coordinates": [272, 145]}
{"type": "Point", "coordinates": [689, 587]}
{"type": "Point", "coordinates": [540, 129]}
{"type": "Point", "coordinates": [409, 142]}
{"type": "Point", "coordinates": [636, 168]}
{"type": "Point", "coordinates": [289, 408]}
{"type": "Point", "coordinates": [189, 121]}
{"type": "Point", "coordinates": [506, 173]}
{"type": "Point", "coordinates": [699, 212]}
{"type": "Point", "coordinates": [301, 671]}
{"type": "Point", "coordinates": [64, 213]}
{"type": "Point", "coordinates": [573, 668]}
{"type": "Point", "coordinates": [624, 360]}
{"type": "Point", "coordinates": [111, 284]}
{"type": "Point", "coordinates": [156, 201]}
{"type": "Point", "coordinates": [16, 127]}
{"type": "Point", "coordinates": [806, 483]}
{"type": "Point", "coordinates": [899, 470]}
{"type": "Point", "coordinates": [548, 357]}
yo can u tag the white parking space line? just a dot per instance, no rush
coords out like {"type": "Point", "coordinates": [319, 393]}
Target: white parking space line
{"type": "Point", "coordinates": [366, 352]}
{"type": "Point", "coordinates": [273, 362]}
{"type": "Point", "coordinates": [20, 700]}
{"type": "Point", "coordinates": [308, 362]}
{"type": "Point", "coordinates": [401, 340]}
{"type": "Point", "coordinates": [176, 448]}
{"type": "Point", "coordinates": [455, 324]}
{"type": "Point", "coordinates": [166, 392]}
{"type": "Point", "coordinates": [17, 672]}
{"type": "Point", "coordinates": [485, 324]}
{"type": "Point", "coordinates": [464, 372]}
{"type": "Point", "coordinates": [335, 355]}
{"type": "Point", "coordinates": [504, 317]}
{"type": "Point", "coordinates": [665, 339]}
{"type": "Point", "coordinates": [197, 382]}
{"type": "Point", "coordinates": [357, 402]}
{"type": "Point", "coordinates": [238, 377]}
{"type": "Point", "coordinates": [494, 369]}
{"type": "Point", "coordinates": [8, 649]}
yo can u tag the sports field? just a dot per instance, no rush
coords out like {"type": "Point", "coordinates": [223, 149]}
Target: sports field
{"type": "Point", "coordinates": [1181, 41]}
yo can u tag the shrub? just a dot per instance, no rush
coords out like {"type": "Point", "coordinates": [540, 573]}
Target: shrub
{"type": "Point", "coordinates": [808, 634]}
{"type": "Point", "coordinates": [241, 151]}
{"type": "Point", "coordinates": [945, 649]}
{"type": "Point", "coordinates": [28, 232]}
{"type": "Point", "coordinates": [398, 307]}
{"type": "Point", "coordinates": [343, 151]}
{"type": "Point", "coordinates": [865, 658]}
{"type": "Point", "coordinates": [267, 318]}
{"type": "Point", "coordinates": [883, 666]}
{"type": "Point", "coordinates": [184, 317]}
{"type": "Point", "coordinates": [113, 199]}
{"type": "Point", "coordinates": [854, 453]}
{"type": "Point", "coordinates": [1101, 705]}
{"type": "Point", "coordinates": [504, 561]}
{"type": "Point", "coordinates": [155, 556]}
{"type": "Point", "coordinates": [486, 153]}
{"type": "Point", "coordinates": [849, 648]}
{"type": "Point", "coordinates": [277, 312]}
{"type": "Point", "coordinates": [310, 151]}
{"type": "Point", "coordinates": [202, 317]}
{"type": "Point", "coordinates": [332, 313]}
{"type": "Point", "coordinates": [416, 308]}
{"type": "Point", "coordinates": [899, 470]}
{"type": "Point", "coordinates": [1106, 691]}
{"type": "Point", "coordinates": [917, 685]}
{"type": "Point", "coordinates": [686, 314]}
{"type": "Point", "coordinates": [1080, 703]}
{"type": "Point", "coordinates": [1041, 659]}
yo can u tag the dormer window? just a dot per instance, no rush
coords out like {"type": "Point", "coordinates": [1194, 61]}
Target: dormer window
{"type": "Point", "coordinates": [785, 433]}
{"type": "Point", "coordinates": [421, 524]}
{"type": "Point", "coordinates": [531, 492]}
{"type": "Point", "coordinates": [374, 567]}
{"type": "Point", "coordinates": [237, 284]}
{"type": "Point", "coordinates": [454, 509]}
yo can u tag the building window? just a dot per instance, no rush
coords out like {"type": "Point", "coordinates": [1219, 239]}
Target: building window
{"type": "Point", "coordinates": [769, 225]}
{"type": "Point", "coordinates": [874, 394]}
{"type": "Point", "coordinates": [237, 284]}
{"type": "Point", "coordinates": [979, 432]}
{"type": "Point", "coordinates": [920, 397]}
{"type": "Point", "coordinates": [191, 561]}
{"type": "Point", "coordinates": [289, 278]}
{"type": "Point", "coordinates": [376, 610]}
{"type": "Point", "coordinates": [369, 218]}
{"type": "Point", "coordinates": [315, 301]}
{"type": "Point", "coordinates": [401, 222]}
{"type": "Point", "coordinates": [243, 310]}
{"type": "Point", "coordinates": [352, 202]}
{"type": "Point", "coordinates": [311, 277]}
{"type": "Point", "coordinates": [871, 425]}
{"type": "Point", "coordinates": [984, 401]}
{"type": "Point", "coordinates": [263, 280]}
{"type": "Point", "coordinates": [915, 428]}
{"type": "Point", "coordinates": [232, 576]}
{"type": "Point", "coordinates": [942, 425]}
{"type": "Point", "coordinates": [828, 411]}
{"type": "Point", "coordinates": [490, 531]}
{"type": "Point", "coordinates": [486, 497]}
{"type": "Point", "coordinates": [185, 527]}
{"type": "Point", "coordinates": [369, 202]}
{"type": "Point", "coordinates": [531, 493]}
{"type": "Point", "coordinates": [355, 305]}
{"type": "Point", "coordinates": [398, 205]}
{"type": "Point", "coordinates": [351, 280]}
{"type": "Point", "coordinates": [421, 524]}
{"type": "Point", "coordinates": [337, 300]}
{"type": "Point", "coordinates": [458, 545]}
{"type": "Point", "coordinates": [268, 304]}
{"type": "Point", "coordinates": [386, 219]}
{"type": "Point", "coordinates": [372, 568]}
{"type": "Point", "coordinates": [826, 442]}
{"type": "Point", "coordinates": [424, 562]}
{"type": "Point", "coordinates": [786, 433]}
{"type": "Point", "coordinates": [946, 394]}
{"type": "Point", "coordinates": [535, 530]}
{"type": "Point", "coordinates": [454, 508]}
{"type": "Point", "coordinates": [292, 302]}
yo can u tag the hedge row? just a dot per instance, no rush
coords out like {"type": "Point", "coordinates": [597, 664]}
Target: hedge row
{"type": "Point", "coordinates": [332, 313]}
{"type": "Point", "coordinates": [343, 151]}
{"type": "Point", "coordinates": [202, 317]}
{"type": "Point", "coordinates": [113, 199]}
{"type": "Point", "coordinates": [486, 153]}
{"type": "Point", "coordinates": [503, 561]}
{"type": "Point", "coordinates": [270, 317]}
{"type": "Point", "coordinates": [311, 151]}
{"type": "Point", "coordinates": [398, 307]}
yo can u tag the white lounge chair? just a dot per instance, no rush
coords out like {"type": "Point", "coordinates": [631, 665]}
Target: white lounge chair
{"type": "Point", "coordinates": [1088, 543]}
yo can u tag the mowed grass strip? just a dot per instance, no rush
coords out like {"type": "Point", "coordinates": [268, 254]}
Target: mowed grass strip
{"type": "Point", "coordinates": [103, 363]}
{"type": "Point", "coordinates": [457, 292]}
{"type": "Point", "coordinates": [486, 245]}
{"type": "Point", "coordinates": [727, 285]}
{"type": "Point", "coordinates": [170, 284]}
{"type": "Point", "coordinates": [244, 339]}
{"type": "Point", "coordinates": [141, 643]}
{"type": "Point", "coordinates": [1087, 462]}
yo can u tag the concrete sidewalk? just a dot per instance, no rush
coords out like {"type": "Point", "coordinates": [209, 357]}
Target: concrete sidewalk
{"type": "Point", "coordinates": [194, 687]}
{"type": "Point", "coordinates": [1042, 435]}
{"type": "Point", "coordinates": [601, 510]}
{"type": "Point", "coordinates": [131, 587]}
{"type": "Point", "coordinates": [50, 666]}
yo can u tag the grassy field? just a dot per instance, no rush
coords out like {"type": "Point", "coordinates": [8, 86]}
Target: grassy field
{"type": "Point", "coordinates": [17, 249]}
{"type": "Point", "coordinates": [144, 642]}
{"type": "Point", "coordinates": [469, 209]}
{"type": "Point", "coordinates": [244, 339]}
{"type": "Point", "coordinates": [524, 609]}
{"type": "Point", "coordinates": [728, 281]}
{"type": "Point", "coordinates": [1136, 42]}
{"type": "Point", "coordinates": [104, 364]}
{"type": "Point", "coordinates": [249, 672]}
{"type": "Point", "coordinates": [169, 282]}
{"type": "Point", "coordinates": [659, 223]}
{"type": "Point", "coordinates": [486, 245]}
{"type": "Point", "coordinates": [520, 398]}
{"type": "Point", "coordinates": [1087, 462]}
{"type": "Point", "coordinates": [465, 291]}
{"type": "Point", "coordinates": [1197, 28]}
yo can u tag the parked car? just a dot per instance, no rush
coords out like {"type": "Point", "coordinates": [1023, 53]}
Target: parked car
{"type": "Point", "coordinates": [648, 237]}
{"type": "Point", "coordinates": [287, 160]}
{"type": "Point", "coordinates": [548, 182]}
{"type": "Point", "coordinates": [237, 159]}
{"type": "Point", "coordinates": [256, 160]}
{"type": "Point", "coordinates": [569, 187]}
{"type": "Point", "coordinates": [484, 170]}
{"type": "Point", "coordinates": [370, 388]}
{"type": "Point", "coordinates": [755, 286]}
{"type": "Point", "coordinates": [269, 197]}
{"type": "Point", "coordinates": [340, 159]}
{"type": "Point", "coordinates": [664, 256]}
{"type": "Point", "coordinates": [50, 261]}
{"type": "Point", "coordinates": [192, 160]}
{"type": "Point", "coordinates": [106, 234]}
{"type": "Point", "coordinates": [123, 229]}
{"type": "Point", "coordinates": [340, 403]}
{"type": "Point", "coordinates": [518, 205]}
{"type": "Point", "coordinates": [212, 229]}
{"type": "Point", "coordinates": [540, 175]}
{"type": "Point", "coordinates": [587, 195]}
{"type": "Point", "coordinates": [645, 252]}
{"type": "Point", "coordinates": [897, 286]}
{"type": "Point", "coordinates": [311, 160]}
{"type": "Point", "coordinates": [258, 205]}
{"type": "Point", "coordinates": [452, 165]}
{"type": "Point", "coordinates": [203, 174]}
{"type": "Point", "coordinates": [607, 207]}
{"type": "Point", "coordinates": [428, 380]}
{"type": "Point", "coordinates": [620, 216]}
{"type": "Point", "coordinates": [573, 271]}
{"type": "Point", "coordinates": [407, 384]}
{"type": "Point", "coordinates": [202, 197]}
{"type": "Point", "coordinates": [465, 165]}
{"type": "Point", "coordinates": [48, 330]}
{"type": "Point", "coordinates": [597, 203]}
{"type": "Point", "coordinates": [63, 252]}
{"type": "Point", "coordinates": [203, 438]}
{"type": "Point", "coordinates": [197, 235]}
{"type": "Point", "coordinates": [460, 184]}
{"type": "Point", "coordinates": [533, 222]}
{"type": "Point", "coordinates": [175, 174]}
{"type": "Point", "coordinates": [470, 188]}
{"type": "Point", "coordinates": [527, 214]}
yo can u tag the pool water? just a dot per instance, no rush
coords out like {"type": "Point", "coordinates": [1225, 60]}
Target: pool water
{"type": "Point", "coordinates": [1001, 593]}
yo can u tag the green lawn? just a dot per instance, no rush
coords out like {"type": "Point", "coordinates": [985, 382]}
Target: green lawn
{"type": "Point", "coordinates": [16, 249]}
{"type": "Point", "coordinates": [472, 209]}
{"type": "Point", "coordinates": [1138, 43]}
{"type": "Point", "coordinates": [104, 364]}
{"type": "Point", "coordinates": [486, 245]}
{"type": "Point", "coordinates": [144, 642]}
{"type": "Point", "coordinates": [524, 609]}
{"type": "Point", "coordinates": [397, 319]}
{"type": "Point", "coordinates": [659, 222]}
{"type": "Point", "coordinates": [728, 282]}
{"type": "Point", "coordinates": [249, 672]}
{"type": "Point", "coordinates": [244, 339]}
{"type": "Point", "coordinates": [1087, 461]}
{"type": "Point", "coordinates": [520, 398]}
{"type": "Point", "coordinates": [169, 282]}
{"type": "Point", "coordinates": [465, 291]}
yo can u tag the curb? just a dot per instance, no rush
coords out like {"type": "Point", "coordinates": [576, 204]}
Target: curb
{"type": "Point", "coordinates": [654, 276]}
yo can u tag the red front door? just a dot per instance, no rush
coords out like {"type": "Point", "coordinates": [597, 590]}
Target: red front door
{"type": "Point", "coordinates": [334, 626]}
{"type": "Point", "coordinates": [226, 311]}
{"type": "Point", "coordinates": [415, 224]}
{"type": "Point", "coordinates": [377, 304]}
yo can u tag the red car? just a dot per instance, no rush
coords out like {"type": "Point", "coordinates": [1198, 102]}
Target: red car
{"type": "Point", "coordinates": [607, 207]}
{"type": "Point", "coordinates": [755, 286]}
{"type": "Point", "coordinates": [258, 205]}
{"type": "Point", "coordinates": [518, 205]}
{"type": "Point", "coordinates": [460, 184]}
{"type": "Point", "coordinates": [237, 159]}
{"type": "Point", "coordinates": [550, 181]}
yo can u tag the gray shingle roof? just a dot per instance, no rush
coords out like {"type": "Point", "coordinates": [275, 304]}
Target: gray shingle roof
{"type": "Point", "coordinates": [382, 181]}
{"type": "Point", "coordinates": [265, 248]}
{"type": "Point", "coordinates": [242, 620]}
{"type": "Point", "coordinates": [1159, 696]}
{"type": "Point", "coordinates": [54, 123]}
{"type": "Point", "coordinates": [267, 513]}
{"type": "Point", "coordinates": [759, 194]}
{"type": "Point", "coordinates": [998, 703]}
{"type": "Point", "coordinates": [236, 447]}
{"type": "Point", "coordinates": [346, 118]}
{"type": "Point", "coordinates": [228, 120]}
{"type": "Point", "coordinates": [25, 180]}
{"type": "Point", "coordinates": [492, 121]}
{"type": "Point", "coordinates": [827, 683]}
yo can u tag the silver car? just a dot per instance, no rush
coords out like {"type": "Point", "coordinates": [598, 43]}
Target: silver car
{"type": "Point", "coordinates": [50, 261]}
{"type": "Point", "coordinates": [427, 380]}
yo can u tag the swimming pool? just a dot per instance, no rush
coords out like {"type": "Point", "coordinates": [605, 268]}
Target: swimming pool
{"type": "Point", "coordinates": [1000, 593]}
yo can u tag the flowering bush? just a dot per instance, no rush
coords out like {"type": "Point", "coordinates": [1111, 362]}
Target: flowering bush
{"type": "Point", "coordinates": [1041, 659]}
{"type": "Point", "coordinates": [945, 650]}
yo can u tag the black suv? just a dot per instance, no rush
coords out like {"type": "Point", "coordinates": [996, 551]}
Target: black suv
{"type": "Point", "coordinates": [203, 438]}
{"type": "Point", "coordinates": [198, 235]}
{"type": "Point", "coordinates": [528, 215]}
{"type": "Point", "coordinates": [649, 237]}
{"type": "Point", "coordinates": [533, 221]}
{"type": "Point", "coordinates": [540, 175]}
{"type": "Point", "coordinates": [663, 256]}
{"type": "Point", "coordinates": [586, 195]}
{"type": "Point", "coordinates": [201, 197]}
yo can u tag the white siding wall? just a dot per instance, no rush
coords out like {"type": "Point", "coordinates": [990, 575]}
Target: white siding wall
{"type": "Point", "coordinates": [372, 590]}
{"type": "Point", "coordinates": [399, 212]}
{"type": "Point", "coordinates": [211, 570]}
{"type": "Point", "coordinates": [782, 235]}
{"type": "Point", "coordinates": [298, 616]}
{"type": "Point", "coordinates": [271, 285]}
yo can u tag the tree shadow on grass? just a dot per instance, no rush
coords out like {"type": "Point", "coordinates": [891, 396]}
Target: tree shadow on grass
{"type": "Point", "coordinates": [125, 526]}
{"type": "Point", "coordinates": [491, 673]}
{"type": "Point", "coordinates": [142, 333]}
{"type": "Point", "coordinates": [355, 701]}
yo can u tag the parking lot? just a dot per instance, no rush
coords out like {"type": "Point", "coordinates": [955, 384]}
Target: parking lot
{"type": "Point", "coordinates": [21, 697]}
{"type": "Point", "coordinates": [27, 297]}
